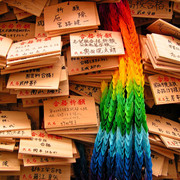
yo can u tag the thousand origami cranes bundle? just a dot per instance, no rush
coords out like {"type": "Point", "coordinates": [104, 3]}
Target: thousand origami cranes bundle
{"type": "Point", "coordinates": [122, 147]}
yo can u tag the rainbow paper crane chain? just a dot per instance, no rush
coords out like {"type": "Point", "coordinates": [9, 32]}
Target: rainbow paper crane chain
{"type": "Point", "coordinates": [122, 146]}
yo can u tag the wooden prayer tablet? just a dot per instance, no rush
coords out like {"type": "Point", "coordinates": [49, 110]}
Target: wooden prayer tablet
{"type": "Point", "coordinates": [68, 112]}
{"type": "Point", "coordinates": [34, 47]}
{"type": "Point", "coordinates": [157, 161]}
{"type": "Point", "coordinates": [17, 10]}
{"type": "Point", "coordinates": [63, 90]}
{"type": "Point", "coordinates": [14, 120]}
{"type": "Point", "coordinates": [170, 143]}
{"type": "Point", "coordinates": [31, 63]}
{"type": "Point", "coordinates": [167, 48]}
{"type": "Point", "coordinates": [94, 77]}
{"type": "Point", "coordinates": [96, 43]}
{"type": "Point", "coordinates": [34, 7]}
{"type": "Point", "coordinates": [33, 102]}
{"type": "Point", "coordinates": [80, 65]}
{"type": "Point", "coordinates": [176, 7]}
{"type": "Point", "coordinates": [165, 167]}
{"type": "Point", "coordinates": [9, 161]}
{"type": "Point", "coordinates": [22, 15]}
{"type": "Point", "coordinates": [86, 91]}
{"type": "Point", "coordinates": [166, 90]}
{"type": "Point", "coordinates": [9, 16]}
{"type": "Point", "coordinates": [43, 78]}
{"type": "Point", "coordinates": [7, 146]}
{"type": "Point", "coordinates": [68, 17]}
{"type": "Point", "coordinates": [151, 9]}
{"type": "Point", "coordinates": [30, 160]}
{"type": "Point", "coordinates": [3, 8]}
{"type": "Point", "coordinates": [16, 134]}
{"type": "Point", "coordinates": [43, 144]}
{"type": "Point", "coordinates": [46, 172]}
{"type": "Point", "coordinates": [5, 44]}
{"type": "Point", "coordinates": [84, 138]}
{"type": "Point", "coordinates": [17, 30]}
{"type": "Point", "coordinates": [6, 98]}
{"type": "Point", "coordinates": [162, 27]}
{"type": "Point", "coordinates": [39, 29]}
{"type": "Point", "coordinates": [77, 131]}
{"type": "Point", "coordinates": [162, 126]}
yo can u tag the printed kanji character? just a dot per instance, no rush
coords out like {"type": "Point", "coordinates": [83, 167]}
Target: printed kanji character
{"type": "Point", "coordinates": [39, 40]}
{"type": "Point", "coordinates": [64, 103]}
{"type": "Point", "coordinates": [82, 36]}
{"type": "Point", "coordinates": [166, 79]}
{"type": "Point", "coordinates": [22, 43]}
{"type": "Point", "coordinates": [24, 176]}
{"type": "Point", "coordinates": [58, 137]}
{"type": "Point", "coordinates": [18, 26]}
{"type": "Point", "coordinates": [30, 41]}
{"type": "Point", "coordinates": [160, 79]}
{"type": "Point", "coordinates": [56, 103]}
{"type": "Point", "coordinates": [28, 160]}
{"type": "Point", "coordinates": [47, 39]}
{"type": "Point", "coordinates": [11, 83]}
{"type": "Point", "coordinates": [108, 35]}
{"type": "Point", "coordinates": [50, 136]}
{"type": "Point", "coordinates": [17, 83]}
{"type": "Point", "coordinates": [11, 26]}
{"type": "Point", "coordinates": [34, 134]}
{"type": "Point", "coordinates": [81, 101]}
{"type": "Point", "coordinates": [3, 26]}
{"type": "Point", "coordinates": [26, 26]}
{"type": "Point", "coordinates": [41, 134]}
{"type": "Point", "coordinates": [72, 102]}
{"type": "Point", "coordinates": [90, 35]}
{"type": "Point", "coordinates": [99, 35]}
{"type": "Point", "coordinates": [30, 176]}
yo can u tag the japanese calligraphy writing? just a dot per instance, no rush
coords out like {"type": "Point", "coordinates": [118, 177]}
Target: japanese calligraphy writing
{"type": "Point", "coordinates": [47, 145]}
{"type": "Point", "coordinates": [44, 78]}
{"type": "Point", "coordinates": [96, 43]}
{"type": "Point", "coordinates": [34, 6]}
{"type": "Point", "coordinates": [165, 89]}
{"type": "Point", "coordinates": [162, 27]}
{"type": "Point", "coordinates": [34, 47]}
{"type": "Point", "coordinates": [16, 134]}
{"type": "Point", "coordinates": [86, 90]}
{"type": "Point", "coordinates": [171, 47]}
{"type": "Point", "coordinates": [13, 120]}
{"type": "Point", "coordinates": [9, 161]}
{"type": "Point", "coordinates": [70, 112]}
{"type": "Point", "coordinates": [151, 9]}
{"type": "Point", "coordinates": [163, 126]}
{"type": "Point", "coordinates": [46, 172]}
{"type": "Point", "coordinates": [17, 31]}
{"type": "Point", "coordinates": [78, 65]}
{"type": "Point", "coordinates": [169, 142]}
{"type": "Point", "coordinates": [72, 15]}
